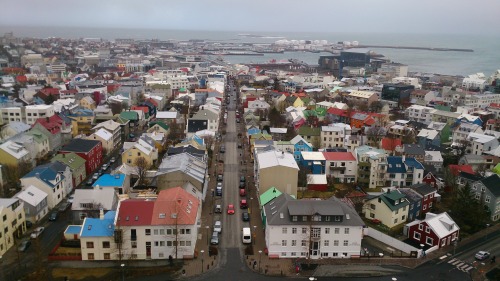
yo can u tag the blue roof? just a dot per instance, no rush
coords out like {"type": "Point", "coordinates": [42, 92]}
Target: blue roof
{"type": "Point", "coordinates": [99, 227]}
{"type": "Point", "coordinates": [81, 112]}
{"type": "Point", "coordinates": [73, 229]}
{"type": "Point", "coordinates": [253, 131]}
{"type": "Point", "coordinates": [45, 173]}
{"type": "Point", "coordinates": [412, 162]}
{"type": "Point", "coordinates": [110, 180]}
{"type": "Point", "coordinates": [395, 164]}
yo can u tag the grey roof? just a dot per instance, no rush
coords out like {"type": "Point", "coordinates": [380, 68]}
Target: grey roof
{"type": "Point", "coordinates": [411, 194]}
{"type": "Point", "coordinates": [492, 183]}
{"type": "Point", "coordinates": [413, 149]}
{"type": "Point", "coordinates": [185, 163]}
{"type": "Point", "coordinates": [280, 210]}
{"type": "Point", "coordinates": [422, 188]}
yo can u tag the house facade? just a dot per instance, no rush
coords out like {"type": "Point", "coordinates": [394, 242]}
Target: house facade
{"type": "Point", "coordinates": [435, 230]}
{"type": "Point", "coordinates": [390, 208]}
{"type": "Point", "coordinates": [372, 166]}
{"type": "Point", "coordinates": [314, 229]}
{"type": "Point", "coordinates": [12, 224]}
{"type": "Point", "coordinates": [268, 164]}
{"type": "Point", "coordinates": [89, 150]}
{"type": "Point", "coordinates": [35, 203]}
{"type": "Point", "coordinates": [342, 166]}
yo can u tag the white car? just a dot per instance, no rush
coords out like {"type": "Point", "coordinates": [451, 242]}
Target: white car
{"type": "Point", "coordinates": [482, 255]}
{"type": "Point", "coordinates": [37, 232]}
{"type": "Point", "coordinates": [218, 227]}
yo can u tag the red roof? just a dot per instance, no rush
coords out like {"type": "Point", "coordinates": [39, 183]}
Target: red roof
{"type": "Point", "coordinates": [175, 201]}
{"type": "Point", "coordinates": [495, 105]}
{"type": "Point", "coordinates": [144, 109]}
{"type": "Point", "coordinates": [391, 144]}
{"type": "Point", "coordinates": [339, 156]}
{"type": "Point", "coordinates": [21, 78]}
{"type": "Point", "coordinates": [337, 111]}
{"type": "Point", "coordinates": [134, 212]}
{"type": "Point", "coordinates": [456, 169]}
{"type": "Point", "coordinates": [72, 91]}
{"type": "Point", "coordinates": [369, 121]}
{"type": "Point", "coordinates": [153, 101]}
{"type": "Point", "coordinates": [355, 193]}
{"type": "Point", "coordinates": [50, 91]}
{"type": "Point", "coordinates": [53, 124]}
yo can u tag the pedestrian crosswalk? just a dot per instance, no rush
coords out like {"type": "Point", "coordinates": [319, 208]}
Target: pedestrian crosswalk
{"type": "Point", "coordinates": [461, 265]}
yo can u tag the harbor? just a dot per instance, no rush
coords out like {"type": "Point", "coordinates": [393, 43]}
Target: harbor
{"type": "Point", "coordinates": [414, 48]}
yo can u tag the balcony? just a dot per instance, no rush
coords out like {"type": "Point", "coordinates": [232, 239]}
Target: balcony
{"type": "Point", "coordinates": [336, 168]}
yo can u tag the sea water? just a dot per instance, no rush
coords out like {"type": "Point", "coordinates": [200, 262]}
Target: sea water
{"type": "Point", "coordinates": [485, 58]}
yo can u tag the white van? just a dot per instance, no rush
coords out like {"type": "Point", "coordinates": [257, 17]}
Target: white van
{"type": "Point", "coordinates": [246, 236]}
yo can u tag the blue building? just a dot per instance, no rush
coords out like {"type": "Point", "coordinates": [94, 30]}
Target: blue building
{"type": "Point", "coordinates": [299, 145]}
{"type": "Point", "coordinates": [313, 160]}
{"type": "Point", "coordinates": [119, 182]}
{"type": "Point", "coordinates": [415, 200]}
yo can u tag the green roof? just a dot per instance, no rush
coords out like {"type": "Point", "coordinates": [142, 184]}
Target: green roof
{"type": "Point", "coordinates": [496, 169]}
{"type": "Point", "coordinates": [308, 131]}
{"type": "Point", "coordinates": [308, 113]}
{"type": "Point", "coordinates": [129, 115]}
{"type": "Point", "coordinates": [159, 123]}
{"type": "Point", "coordinates": [269, 195]}
{"type": "Point", "coordinates": [394, 196]}
{"type": "Point", "coordinates": [71, 160]}
{"type": "Point", "coordinates": [320, 111]}
{"type": "Point", "coordinates": [38, 136]}
{"type": "Point", "coordinates": [305, 100]}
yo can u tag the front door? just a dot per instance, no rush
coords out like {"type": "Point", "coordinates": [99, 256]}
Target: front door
{"type": "Point", "coordinates": [148, 250]}
{"type": "Point", "coordinates": [315, 249]}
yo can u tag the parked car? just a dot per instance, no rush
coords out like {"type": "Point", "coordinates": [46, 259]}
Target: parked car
{"type": "Point", "coordinates": [64, 206]}
{"type": "Point", "coordinates": [71, 198]}
{"type": "Point", "coordinates": [218, 209]}
{"type": "Point", "coordinates": [245, 216]}
{"type": "Point", "coordinates": [243, 204]}
{"type": "Point", "coordinates": [29, 224]}
{"type": "Point", "coordinates": [105, 167]}
{"type": "Point", "coordinates": [243, 192]}
{"type": "Point", "coordinates": [113, 160]}
{"type": "Point", "coordinates": [482, 255]}
{"type": "Point", "coordinates": [53, 216]}
{"type": "Point", "coordinates": [95, 176]}
{"type": "Point", "coordinates": [90, 182]}
{"type": "Point", "coordinates": [215, 238]}
{"type": "Point", "coordinates": [25, 244]}
{"type": "Point", "coordinates": [222, 149]}
{"type": "Point", "coordinates": [220, 177]}
{"type": "Point", "coordinates": [218, 227]}
{"type": "Point", "coordinates": [242, 184]}
{"type": "Point", "coordinates": [230, 209]}
{"type": "Point", "coordinates": [37, 232]}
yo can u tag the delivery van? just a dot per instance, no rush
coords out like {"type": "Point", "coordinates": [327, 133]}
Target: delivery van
{"type": "Point", "coordinates": [246, 236]}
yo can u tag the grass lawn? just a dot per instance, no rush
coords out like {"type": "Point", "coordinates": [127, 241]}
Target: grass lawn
{"type": "Point", "coordinates": [315, 194]}
{"type": "Point", "coordinates": [81, 273]}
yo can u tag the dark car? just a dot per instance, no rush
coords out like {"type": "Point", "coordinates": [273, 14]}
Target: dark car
{"type": "Point", "coordinates": [25, 244]}
{"type": "Point", "coordinates": [29, 224]}
{"type": "Point", "coordinates": [53, 216]}
{"type": "Point", "coordinates": [242, 184]}
{"type": "Point", "coordinates": [222, 149]}
{"type": "Point", "coordinates": [245, 216]}
{"type": "Point", "coordinates": [220, 177]}
{"type": "Point", "coordinates": [90, 181]}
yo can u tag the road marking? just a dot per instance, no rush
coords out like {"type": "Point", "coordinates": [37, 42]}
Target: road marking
{"type": "Point", "coordinates": [463, 267]}
{"type": "Point", "coordinates": [452, 260]}
{"type": "Point", "coordinates": [460, 264]}
{"type": "Point", "coordinates": [456, 262]}
{"type": "Point", "coordinates": [468, 268]}
{"type": "Point", "coordinates": [443, 257]}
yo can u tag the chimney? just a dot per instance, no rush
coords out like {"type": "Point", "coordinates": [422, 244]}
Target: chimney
{"type": "Point", "coordinates": [403, 158]}
{"type": "Point", "coordinates": [47, 119]}
{"type": "Point", "coordinates": [388, 190]}
{"type": "Point", "coordinates": [101, 213]}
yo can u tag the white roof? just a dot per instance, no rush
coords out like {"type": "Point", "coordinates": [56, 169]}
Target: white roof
{"type": "Point", "coordinates": [32, 195]}
{"type": "Point", "coordinates": [106, 197]}
{"type": "Point", "coordinates": [436, 156]}
{"type": "Point", "coordinates": [14, 149]}
{"type": "Point", "coordinates": [279, 130]}
{"type": "Point", "coordinates": [481, 138]}
{"type": "Point", "coordinates": [429, 134]}
{"type": "Point", "coordinates": [110, 125]}
{"type": "Point", "coordinates": [316, 179]}
{"type": "Point", "coordinates": [442, 224]}
{"type": "Point", "coordinates": [335, 127]}
{"type": "Point", "coordinates": [273, 158]}
{"type": "Point", "coordinates": [104, 134]}
{"type": "Point", "coordinates": [166, 115]}
{"type": "Point", "coordinates": [313, 155]}
{"type": "Point", "coordinates": [362, 94]}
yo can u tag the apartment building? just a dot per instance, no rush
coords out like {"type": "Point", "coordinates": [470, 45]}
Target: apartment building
{"type": "Point", "coordinates": [334, 135]}
{"type": "Point", "coordinates": [419, 113]}
{"type": "Point", "coordinates": [12, 224]}
{"type": "Point", "coordinates": [372, 166]}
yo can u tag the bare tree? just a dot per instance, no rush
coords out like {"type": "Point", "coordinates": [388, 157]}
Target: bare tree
{"type": "Point", "coordinates": [142, 166]}
{"type": "Point", "coordinates": [375, 135]}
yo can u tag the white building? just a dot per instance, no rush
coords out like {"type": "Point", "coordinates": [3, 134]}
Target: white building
{"type": "Point", "coordinates": [334, 135]}
{"type": "Point", "coordinates": [474, 81]}
{"type": "Point", "coordinates": [342, 166]}
{"type": "Point", "coordinates": [33, 112]}
{"type": "Point", "coordinates": [479, 143]}
{"type": "Point", "coordinates": [312, 229]}
{"type": "Point", "coordinates": [419, 113]}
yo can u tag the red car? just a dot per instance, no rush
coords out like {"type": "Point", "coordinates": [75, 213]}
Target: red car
{"type": "Point", "coordinates": [243, 204]}
{"type": "Point", "coordinates": [243, 192]}
{"type": "Point", "coordinates": [230, 209]}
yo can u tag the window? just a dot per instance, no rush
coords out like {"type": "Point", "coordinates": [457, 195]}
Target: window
{"type": "Point", "coordinates": [133, 244]}
{"type": "Point", "coordinates": [283, 243]}
{"type": "Point", "coordinates": [337, 230]}
{"type": "Point", "coordinates": [304, 218]}
{"type": "Point", "coordinates": [283, 254]}
{"type": "Point", "coordinates": [427, 229]}
{"type": "Point", "coordinates": [424, 207]}
{"type": "Point", "coordinates": [293, 254]}
{"type": "Point", "coordinates": [304, 230]}
{"type": "Point", "coordinates": [346, 243]}
{"type": "Point", "coordinates": [403, 218]}
{"type": "Point", "coordinates": [416, 235]}
{"type": "Point", "coordinates": [106, 244]}
{"type": "Point", "coordinates": [326, 243]}
{"type": "Point", "coordinates": [372, 215]}
{"type": "Point", "coordinates": [372, 206]}
{"type": "Point", "coordinates": [303, 243]}
{"type": "Point", "coordinates": [429, 241]}
{"type": "Point", "coordinates": [294, 218]}
{"type": "Point", "coordinates": [487, 200]}
{"type": "Point", "coordinates": [107, 256]}
{"type": "Point", "coordinates": [294, 230]}
{"type": "Point", "coordinates": [395, 220]}
{"type": "Point", "coordinates": [294, 242]}
{"type": "Point", "coordinates": [316, 232]}
{"type": "Point", "coordinates": [284, 230]}
{"type": "Point", "coordinates": [335, 242]}
{"type": "Point", "coordinates": [346, 230]}
{"type": "Point", "coordinates": [169, 243]}
{"type": "Point", "coordinates": [155, 231]}
{"type": "Point", "coordinates": [327, 230]}
{"type": "Point", "coordinates": [90, 245]}
{"type": "Point", "coordinates": [335, 254]}
{"type": "Point", "coordinates": [90, 256]}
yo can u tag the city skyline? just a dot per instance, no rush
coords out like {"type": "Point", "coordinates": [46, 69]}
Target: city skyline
{"type": "Point", "coordinates": [391, 16]}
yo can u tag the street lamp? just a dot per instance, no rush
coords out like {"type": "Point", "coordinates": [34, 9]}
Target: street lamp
{"type": "Point", "coordinates": [381, 255]}
{"type": "Point", "coordinates": [260, 258]}
{"type": "Point", "coordinates": [202, 252]}
{"type": "Point", "coordinates": [423, 251]}
{"type": "Point", "coordinates": [254, 234]}
{"type": "Point", "coordinates": [208, 232]}
{"type": "Point", "coordinates": [123, 271]}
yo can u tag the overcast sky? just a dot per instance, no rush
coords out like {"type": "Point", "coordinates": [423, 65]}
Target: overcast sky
{"type": "Point", "coordinates": [401, 16]}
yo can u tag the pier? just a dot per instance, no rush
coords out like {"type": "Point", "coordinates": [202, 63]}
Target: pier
{"type": "Point", "coordinates": [414, 48]}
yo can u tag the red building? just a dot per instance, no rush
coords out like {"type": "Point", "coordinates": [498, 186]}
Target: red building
{"type": "Point", "coordinates": [428, 194]}
{"type": "Point", "coordinates": [90, 150]}
{"type": "Point", "coordinates": [435, 230]}
{"type": "Point", "coordinates": [433, 181]}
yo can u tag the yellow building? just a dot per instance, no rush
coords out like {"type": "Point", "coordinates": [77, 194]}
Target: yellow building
{"type": "Point", "coordinates": [142, 148]}
{"type": "Point", "coordinates": [12, 224]}
{"type": "Point", "coordinates": [82, 122]}
{"type": "Point", "coordinates": [390, 208]}
{"type": "Point", "coordinates": [298, 102]}
{"type": "Point", "coordinates": [276, 169]}
{"type": "Point", "coordinates": [88, 103]}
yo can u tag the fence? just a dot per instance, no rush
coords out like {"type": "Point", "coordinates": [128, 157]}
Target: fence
{"type": "Point", "coordinates": [393, 242]}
